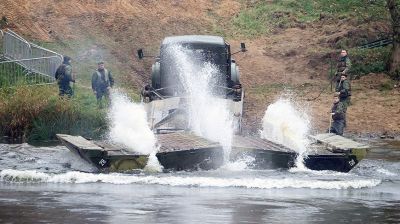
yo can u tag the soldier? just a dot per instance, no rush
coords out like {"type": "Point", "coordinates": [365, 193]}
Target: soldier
{"type": "Point", "coordinates": [102, 81]}
{"type": "Point", "coordinates": [3, 22]}
{"type": "Point", "coordinates": [64, 77]}
{"type": "Point", "coordinates": [337, 122]}
{"type": "Point", "coordinates": [343, 65]}
{"type": "Point", "coordinates": [343, 90]}
{"type": "Point", "coordinates": [147, 93]}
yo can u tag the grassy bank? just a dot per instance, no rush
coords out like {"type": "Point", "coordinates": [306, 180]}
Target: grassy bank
{"type": "Point", "coordinates": [365, 61]}
{"type": "Point", "coordinates": [37, 113]}
{"type": "Point", "coordinates": [263, 17]}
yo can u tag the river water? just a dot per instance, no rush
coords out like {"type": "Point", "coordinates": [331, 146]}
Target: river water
{"type": "Point", "coordinates": [52, 185]}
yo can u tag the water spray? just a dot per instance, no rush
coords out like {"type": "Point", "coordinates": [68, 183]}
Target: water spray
{"type": "Point", "coordinates": [129, 127]}
{"type": "Point", "coordinates": [208, 115]}
{"type": "Point", "coordinates": [284, 124]}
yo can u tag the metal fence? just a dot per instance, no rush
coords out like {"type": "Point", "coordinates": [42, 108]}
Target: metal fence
{"type": "Point", "coordinates": [31, 71]}
{"type": "Point", "coordinates": [377, 43]}
{"type": "Point", "coordinates": [25, 61]}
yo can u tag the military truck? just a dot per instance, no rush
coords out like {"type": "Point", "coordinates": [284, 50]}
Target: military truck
{"type": "Point", "coordinates": [165, 98]}
{"type": "Point", "coordinates": [181, 149]}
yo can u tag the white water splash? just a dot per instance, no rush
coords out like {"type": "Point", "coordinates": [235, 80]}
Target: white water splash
{"type": "Point", "coordinates": [153, 165]}
{"type": "Point", "coordinates": [240, 164]}
{"type": "Point", "coordinates": [386, 172]}
{"type": "Point", "coordinates": [323, 173]}
{"type": "Point", "coordinates": [284, 124]}
{"type": "Point", "coordinates": [32, 176]}
{"type": "Point", "coordinates": [129, 127]}
{"type": "Point", "coordinates": [209, 115]}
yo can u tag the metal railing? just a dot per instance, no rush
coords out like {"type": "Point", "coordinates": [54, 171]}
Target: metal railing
{"type": "Point", "coordinates": [377, 43]}
{"type": "Point", "coordinates": [14, 72]}
{"type": "Point", "coordinates": [25, 61]}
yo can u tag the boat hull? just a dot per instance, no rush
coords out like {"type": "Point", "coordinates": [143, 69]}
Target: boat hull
{"type": "Point", "coordinates": [205, 158]}
{"type": "Point", "coordinates": [268, 159]}
{"type": "Point", "coordinates": [187, 152]}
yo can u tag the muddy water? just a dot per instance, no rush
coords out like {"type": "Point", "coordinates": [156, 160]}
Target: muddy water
{"type": "Point", "coordinates": [51, 185]}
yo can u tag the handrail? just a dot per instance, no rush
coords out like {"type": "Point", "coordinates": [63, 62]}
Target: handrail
{"type": "Point", "coordinates": [28, 59]}
{"type": "Point", "coordinates": [18, 37]}
{"type": "Point", "coordinates": [32, 57]}
{"type": "Point", "coordinates": [377, 43]}
{"type": "Point", "coordinates": [45, 49]}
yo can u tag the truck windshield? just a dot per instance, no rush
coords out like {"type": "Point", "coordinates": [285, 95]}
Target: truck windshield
{"type": "Point", "coordinates": [200, 53]}
{"type": "Point", "coordinates": [213, 54]}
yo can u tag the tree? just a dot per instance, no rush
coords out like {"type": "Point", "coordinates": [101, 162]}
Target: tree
{"type": "Point", "coordinates": [394, 61]}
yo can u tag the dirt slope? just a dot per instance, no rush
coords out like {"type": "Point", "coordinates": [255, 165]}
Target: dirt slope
{"type": "Point", "coordinates": [293, 58]}
{"type": "Point", "coordinates": [110, 29]}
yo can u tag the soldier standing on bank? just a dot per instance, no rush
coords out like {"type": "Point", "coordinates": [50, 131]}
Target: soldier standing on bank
{"type": "Point", "coordinates": [64, 77]}
{"type": "Point", "coordinates": [343, 90]}
{"type": "Point", "coordinates": [102, 81]}
{"type": "Point", "coordinates": [338, 118]}
{"type": "Point", "coordinates": [343, 65]}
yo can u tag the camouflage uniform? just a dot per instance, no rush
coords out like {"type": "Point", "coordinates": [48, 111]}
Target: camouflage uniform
{"type": "Point", "coordinates": [338, 118]}
{"type": "Point", "coordinates": [64, 77]}
{"type": "Point", "coordinates": [343, 67]}
{"type": "Point", "coordinates": [101, 80]}
{"type": "Point", "coordinates": [344, 90]}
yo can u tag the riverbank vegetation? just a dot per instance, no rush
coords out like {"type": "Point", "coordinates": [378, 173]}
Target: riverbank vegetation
{"type": "Point", "coordinates": [33, 113]}
{"type": "Point", "coordinates": [266, 17]}
{"type": "Point", "coordinates": [358, 22]}
{"type": "Point", "coordinates": [366, 61]}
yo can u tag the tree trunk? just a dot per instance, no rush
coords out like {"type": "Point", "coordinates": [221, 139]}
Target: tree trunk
{"type": "Point", "coordinates": [394, 61]}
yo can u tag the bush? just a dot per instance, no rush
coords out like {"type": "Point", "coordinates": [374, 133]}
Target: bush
{"type": "Point", "coordinates": [365, 61]}
{"type": "Point", "coordinates": [37, 113]}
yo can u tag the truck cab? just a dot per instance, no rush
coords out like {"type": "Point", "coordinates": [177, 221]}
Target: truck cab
{"type": "Point", "coordinates": [165, 91]}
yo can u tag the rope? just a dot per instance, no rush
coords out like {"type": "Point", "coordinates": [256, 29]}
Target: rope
{"type": "Point", "coordinates": [322, 90]}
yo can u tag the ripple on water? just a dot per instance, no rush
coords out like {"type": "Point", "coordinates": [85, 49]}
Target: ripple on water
{"type": "Point", "coordinates": [47, 159]}
{"type": "Point", "coordinates": [29, 164]}
{"type": "Point", "coordinates": [32, 176]}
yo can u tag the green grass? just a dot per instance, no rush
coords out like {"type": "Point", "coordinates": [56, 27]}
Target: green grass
{"type": "Point", "coordinates": [387, 86]}
{"type": "Point", "coordinates": [84, 60]}
{"type": "Point", "coordinates": [259, 20]}
{"type": "Point", "coordinates": [269, 88]}
{"type": "Point", "coordinates": [12, 74]}
{"type": "Point", "coordinates": [365, 61]}
{"type": "Point", "coordinates": [81, 118]}
{"type": "Point", "coordinates": [85, 53]}
{"type": "Point", "coordinates": [37, 113]}
{"type": "Point", "coordinates": [264, 17]}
